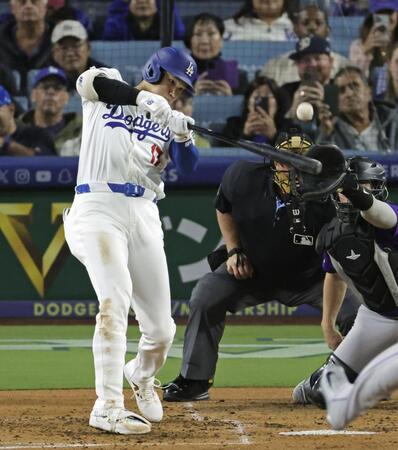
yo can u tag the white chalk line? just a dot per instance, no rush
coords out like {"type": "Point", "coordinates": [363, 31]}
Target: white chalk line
{"type": "Point", "coordinates": [113, 444]}
{"type": "Point", "coordinates": [240, 429]}
{"type": "Point", "coordinates": [325, 433]}
{"type": "Point", "coordinates": [238, 426]}
{"type": "Point", "coordinates": [59, 445]}
{"type": "Point", "coordinates": [192, 411]}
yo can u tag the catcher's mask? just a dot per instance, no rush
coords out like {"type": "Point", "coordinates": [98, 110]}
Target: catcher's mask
{"type": "Point", "coordinates": [319, 187]}
{"type": "Point", "coordinates": [366, 171]}
{"type": "Point", "coordinates": [295, 143]}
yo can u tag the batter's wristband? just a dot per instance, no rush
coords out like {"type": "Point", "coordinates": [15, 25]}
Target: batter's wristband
{"type": "Point", "coordinates": [234, 251]}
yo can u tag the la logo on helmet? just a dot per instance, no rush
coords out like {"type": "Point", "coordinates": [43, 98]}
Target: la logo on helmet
{"type": "Point", "coordinates": [189, 70]}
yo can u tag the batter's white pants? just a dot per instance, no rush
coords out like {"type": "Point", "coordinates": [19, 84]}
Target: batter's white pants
{"type": "Point", "coordinates": [376, 382]}
{"type": "Point", "coordinates": [120, 241]}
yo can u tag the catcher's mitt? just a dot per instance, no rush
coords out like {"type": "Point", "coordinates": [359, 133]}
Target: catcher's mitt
{"type": "Point", "coordinates": [319, 187]}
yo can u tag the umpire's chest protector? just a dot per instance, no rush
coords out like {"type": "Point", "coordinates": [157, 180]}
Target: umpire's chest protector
{"type": "Point", "coordinates": [367, 268]}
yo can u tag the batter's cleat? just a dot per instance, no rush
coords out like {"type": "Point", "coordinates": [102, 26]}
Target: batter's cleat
{"type": "Point", "coordinates": [184, 390]}
{"type": "Point", "coordinates": [336, 389]}
{"type": "Point", "coordinates": [119, 421]}
{"type": "Point", "coordinates": [147, 399]}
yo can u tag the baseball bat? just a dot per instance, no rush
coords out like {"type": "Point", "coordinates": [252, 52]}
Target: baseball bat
{"type": "Point", "coordinates": [301, 162]}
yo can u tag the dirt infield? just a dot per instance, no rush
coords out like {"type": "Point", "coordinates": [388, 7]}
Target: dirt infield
{"type": "Point", "coordinates": [239, 418]}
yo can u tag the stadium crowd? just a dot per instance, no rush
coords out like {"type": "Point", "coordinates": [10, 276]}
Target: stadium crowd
{"type": "Point", "coordinates": [46, 44]}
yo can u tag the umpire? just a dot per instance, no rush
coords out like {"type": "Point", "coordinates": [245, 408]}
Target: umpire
{"type": "Point", "coordinates": [269, 236]}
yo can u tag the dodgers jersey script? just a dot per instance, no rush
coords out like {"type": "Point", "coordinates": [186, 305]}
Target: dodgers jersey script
{"type": "Point", "coordinates": [120, 145]}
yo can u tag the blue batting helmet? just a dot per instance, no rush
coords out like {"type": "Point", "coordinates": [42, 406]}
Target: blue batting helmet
{"type": "Point", "coordinates": [173, 60]}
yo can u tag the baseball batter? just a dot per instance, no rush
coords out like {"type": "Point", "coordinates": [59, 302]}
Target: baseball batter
{"type": "Point", "coordinates": [113, 227]}
{"type": "Point", "coordinates": [360, 251]}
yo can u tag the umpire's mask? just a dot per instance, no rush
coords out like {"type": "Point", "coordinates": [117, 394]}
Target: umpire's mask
{"type": "Point", "coordinates": [285, 177]}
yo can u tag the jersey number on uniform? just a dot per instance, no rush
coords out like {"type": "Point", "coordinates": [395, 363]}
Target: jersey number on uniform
{"type": "Point", "coordinates": [156, 154]}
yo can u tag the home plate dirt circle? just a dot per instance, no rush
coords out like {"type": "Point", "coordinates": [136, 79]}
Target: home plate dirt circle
{"type": "Point", "coordinates": [241, 418]}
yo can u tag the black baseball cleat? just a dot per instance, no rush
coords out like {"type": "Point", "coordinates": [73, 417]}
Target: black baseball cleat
{"type": "Point", "coordinates": [183, 390]}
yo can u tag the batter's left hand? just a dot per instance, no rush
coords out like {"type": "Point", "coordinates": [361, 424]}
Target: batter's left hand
{"type": "Point", "coordinates": [178, 124]}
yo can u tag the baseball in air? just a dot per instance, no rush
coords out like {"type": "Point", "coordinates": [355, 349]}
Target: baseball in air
{"type": "Point", "coordinates": [305, 112]}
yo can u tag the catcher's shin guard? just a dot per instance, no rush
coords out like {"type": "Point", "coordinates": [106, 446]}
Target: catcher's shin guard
{"type": "Point", "coordinates": [309, 390]}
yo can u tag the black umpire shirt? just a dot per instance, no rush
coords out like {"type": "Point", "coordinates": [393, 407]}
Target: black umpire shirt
{"type": "Point", "coordinates": [248, 193]}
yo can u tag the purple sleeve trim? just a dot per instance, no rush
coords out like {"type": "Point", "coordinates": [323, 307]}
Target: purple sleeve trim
{"type": "Point", "coordinates": [327, 265]}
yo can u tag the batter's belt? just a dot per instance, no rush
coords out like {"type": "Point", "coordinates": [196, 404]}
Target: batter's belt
{"type": "Point", "coordinates": [127, 189]}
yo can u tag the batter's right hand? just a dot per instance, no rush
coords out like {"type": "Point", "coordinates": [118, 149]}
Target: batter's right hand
{"type": "Point", "coordinates": [239, 266]}
{"type": "Point", "coordinates": [154, 107]}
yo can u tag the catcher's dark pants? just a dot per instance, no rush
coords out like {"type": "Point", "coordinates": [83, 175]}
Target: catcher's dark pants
{"type": "Point", "coordinates": [218, 292]}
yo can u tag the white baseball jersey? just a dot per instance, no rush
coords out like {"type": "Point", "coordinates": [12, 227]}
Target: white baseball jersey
{"type": "Point", "coordinates": [120, 145]}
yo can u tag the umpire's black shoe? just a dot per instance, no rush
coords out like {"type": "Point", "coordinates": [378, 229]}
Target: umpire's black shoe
{"type": "Point", "coordinates": [183, 390]}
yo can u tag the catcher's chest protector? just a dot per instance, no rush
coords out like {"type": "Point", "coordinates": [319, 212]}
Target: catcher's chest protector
{"type": "Point", "coordinates": [355, 254]}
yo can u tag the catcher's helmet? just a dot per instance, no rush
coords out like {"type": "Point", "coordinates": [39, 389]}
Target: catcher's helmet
{"type": "Point", "coordinates": [173, 60]}
{"type": "Point", "coordinates": [371, 171]}
{"type": "Point", "coordinates": [366, 171]}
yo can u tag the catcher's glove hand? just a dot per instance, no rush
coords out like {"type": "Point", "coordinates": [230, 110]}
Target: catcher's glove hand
{"type": "Point", "coordinates": [334, 168]}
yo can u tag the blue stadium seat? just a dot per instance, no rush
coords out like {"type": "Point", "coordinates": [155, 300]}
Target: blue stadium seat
{"type": "Point", "coordinates": [17, 78]}
{"type": "Point", "coordinates": [209, 109]}
{"type": "Point", "coordinates": [22, 101]}
{"type": "Point", "coordinates": [255, 52]}
{"type": "Point", "coordinates": [345, 27]}
{"type": "Point", "coordinates": [74, 104]}
{"type": "Point", "coordinates": [31, 78]}
{"type": "Point", "coordinates": [224, 9]}
{"type": "Point", "coordinates": [129, 57]}
{"type": "Point", "coordinates": [125, 56]}
{"type": "Point", "coordinates": [4, 7]}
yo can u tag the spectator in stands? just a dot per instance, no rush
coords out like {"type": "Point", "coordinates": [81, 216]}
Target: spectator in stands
{"type": "Point", "coordinates": [308, 20]}
{"type": "Point", "coordinates": [314, 64]}
{"type": "Point", "coordinates": [263, 113]}
{"type": "Point", "coordinates": [50, 96]}
{"type": "Point", "coordinates": [360, 124]}
{"type": "Point", "coordinates": [60, 10]}
{"type": "Point", "coordinates": [204, 37]}
{"type": "Point", "coordinates": [71, 50]}
{"type": "Point", "coordinates": [9, 82]}
{"type": "Point", "coordinates": [25, 39]}
{"type": "Point", "coordinates": [370, 49]}
{"type": "Point", "coordinates": [184, 104]}
{"type": "Point", "coordinates": [347, 8]}
{"type": "Point", "coordinates": [391, 93]}
{"type": "Point", "coordinates": [17, 139]}
{"type": "Point", "coordinates": [7, 79]}
{"type": "Point", "coordinates": [137, 20]}
{"type": "Point", "coordinates": [385, 79]}
{"type": "Point", "coordinates": [260, 20]}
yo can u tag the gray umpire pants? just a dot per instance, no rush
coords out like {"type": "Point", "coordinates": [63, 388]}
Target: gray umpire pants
{"type": "Point", "coordinates": [218, 292]}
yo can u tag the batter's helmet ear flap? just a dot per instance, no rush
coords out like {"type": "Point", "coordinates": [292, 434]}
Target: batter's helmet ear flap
{"type": "Point", "coordinates": [151, 71]}
{"type": "Point", "coordinates": [334, 169]}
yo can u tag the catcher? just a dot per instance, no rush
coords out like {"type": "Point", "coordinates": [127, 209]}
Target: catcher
{"type": "Point", "coordinates": [269, 232]}
{"type": "Point", "coordinates": [360, 249]}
